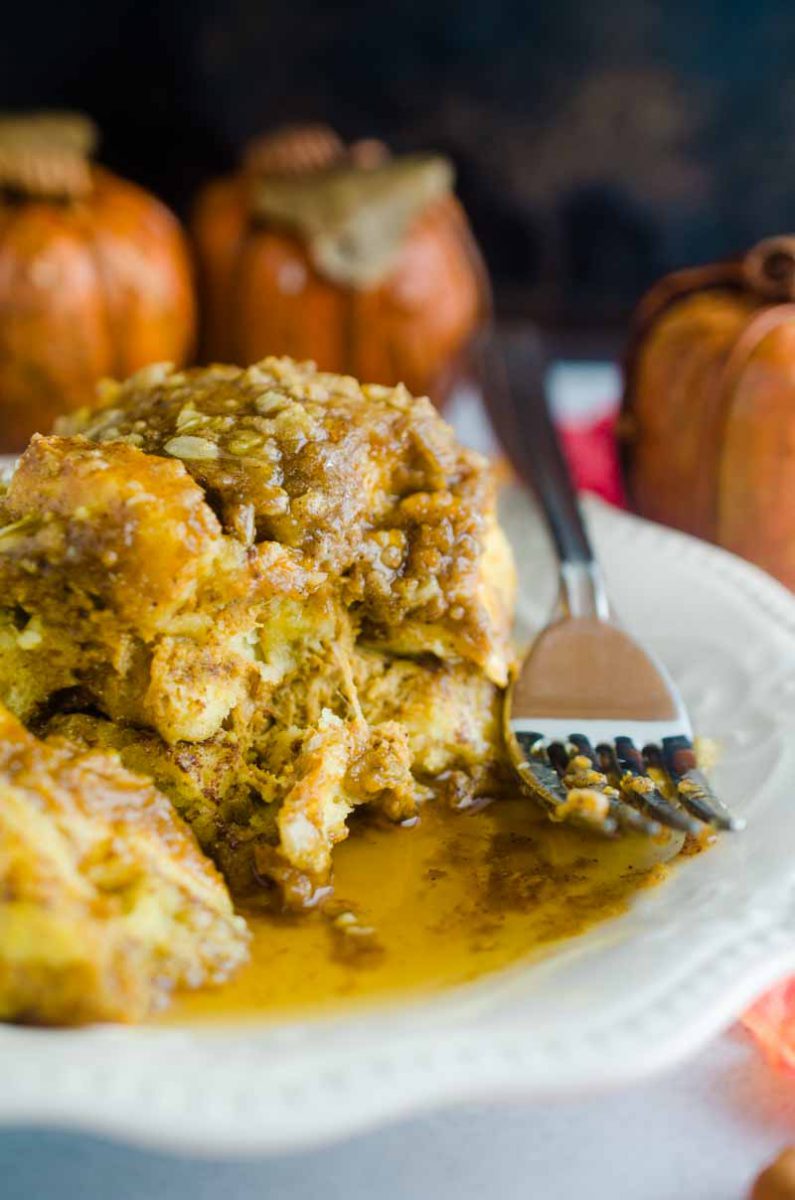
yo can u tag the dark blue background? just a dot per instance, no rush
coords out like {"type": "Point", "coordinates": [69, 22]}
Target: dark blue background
{"type": "Point", "coordinates": [597, 143]}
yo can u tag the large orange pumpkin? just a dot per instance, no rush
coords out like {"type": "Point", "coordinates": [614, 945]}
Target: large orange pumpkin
{"type": "Point", "coordinates": [709, 406]}
{"type": "Point", "coordinates": [95, 276]}
{"type": "Point", "coordinates": [362, 262]}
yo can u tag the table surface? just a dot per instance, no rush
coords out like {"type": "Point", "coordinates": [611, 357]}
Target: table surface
{"type": "Point", "coordinates": [701, 1131]}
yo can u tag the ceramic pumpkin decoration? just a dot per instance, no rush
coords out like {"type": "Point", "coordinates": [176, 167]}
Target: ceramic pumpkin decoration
{"type": "Point", "coordinates": [345, 255]}
{"type": "Point", "coordinates": [709, 407]}
{"type": "Point", "coordinates": [95, 276]}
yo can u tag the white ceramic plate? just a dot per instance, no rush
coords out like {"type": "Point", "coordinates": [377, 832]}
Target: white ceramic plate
{"type": "Point", "coordinates": [628, 998]}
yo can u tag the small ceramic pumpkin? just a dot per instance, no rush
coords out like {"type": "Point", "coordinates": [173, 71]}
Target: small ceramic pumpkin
{"type": "Point", "coordinates": [362, 262]}
{"type": "Point", "coordinates": [95, 277]}
{"type": "Point", "coordinates": [709, 406]}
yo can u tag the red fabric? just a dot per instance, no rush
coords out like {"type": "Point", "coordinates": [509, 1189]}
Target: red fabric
{"type": "Point", "coordinates": [593, 459]}
{"type": "Point", "coordinates": [592, 455]}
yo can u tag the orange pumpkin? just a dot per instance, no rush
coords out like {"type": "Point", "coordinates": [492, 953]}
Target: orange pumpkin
{"type": "Point", "coordinates": [709, 406]}
{"type": "Point", "coordinates": [95, 276]}
{"type": "Point", "coordinates": [364, 263]}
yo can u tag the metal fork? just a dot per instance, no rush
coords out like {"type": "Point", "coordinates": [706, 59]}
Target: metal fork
{"type": "Point", "coordinates": [594, 725]}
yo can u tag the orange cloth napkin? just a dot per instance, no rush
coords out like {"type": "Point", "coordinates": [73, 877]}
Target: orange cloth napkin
{"type": "Point", "coordinates": [772, 1022]}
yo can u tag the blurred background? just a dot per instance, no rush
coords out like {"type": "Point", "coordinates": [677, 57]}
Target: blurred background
{"type": "Point", "coordinates": [597, 145]}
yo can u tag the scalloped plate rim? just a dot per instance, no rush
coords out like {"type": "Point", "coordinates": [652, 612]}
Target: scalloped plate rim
{"type": "Point", "coordinates": [69, 1080]}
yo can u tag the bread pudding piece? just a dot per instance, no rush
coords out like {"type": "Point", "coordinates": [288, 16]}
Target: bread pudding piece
{"type": "Point", "coordinates": [106, 902]}
{"type": "Point", "coordinates": [428, 726]}
{"type": "Point", "coordinates": [279, 592]}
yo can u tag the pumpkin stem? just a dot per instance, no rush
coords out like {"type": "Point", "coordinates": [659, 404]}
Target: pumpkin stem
{"type": "Point", "coordinates": [354, 221]}
{"type": "Point", "coordinates": [46, 154]}
{"type": "Point", "coordinates": [769, 268]}
{"type": "Point", "coordinates": [368, 153]}
{"type": "Point", "coordinates": [293, 150]}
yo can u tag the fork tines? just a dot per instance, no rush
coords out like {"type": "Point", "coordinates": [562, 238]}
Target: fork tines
{"type": "Point", "coordinates": [617, 786]}
{"type": "Point", "coordinates": [693, 790]}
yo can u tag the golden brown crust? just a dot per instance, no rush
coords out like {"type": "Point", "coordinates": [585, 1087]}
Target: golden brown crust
{"type": "Point", "coordinates": [362, 480]}
{"type": "Point", "coordinates": [135, 526]}
{"type": "Point", "coordinates": [106, 903]}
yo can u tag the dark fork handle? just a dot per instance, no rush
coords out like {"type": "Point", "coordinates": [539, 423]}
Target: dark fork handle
{"type": "Point", "coordinates": [524, 425]}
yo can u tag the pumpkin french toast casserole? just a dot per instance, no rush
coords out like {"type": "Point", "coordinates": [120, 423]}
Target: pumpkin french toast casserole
{"type": "Point", "coordinates": [273, 594]}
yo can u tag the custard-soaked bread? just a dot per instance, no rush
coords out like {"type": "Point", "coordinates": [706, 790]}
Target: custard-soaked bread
{"type": "Point", "coordinates": [286, 592]}
{"type": "Point", "coordinates": [426, 725]}
{"type": "Point", "coordinates": [126, 573]}
{"type": "Point", "coordinates": [106, 902]}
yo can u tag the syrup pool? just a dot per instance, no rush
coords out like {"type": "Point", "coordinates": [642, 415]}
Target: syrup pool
{"type": "Point", "coordinates": [440, 903]}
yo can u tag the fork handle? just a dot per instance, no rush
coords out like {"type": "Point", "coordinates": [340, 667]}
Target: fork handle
{"type": "Point", "coordinates": [582, 589]}
{"type": "Point", "coordinates": [548, 473]}
{"type": "Point", "coordinates": [524, 423]}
